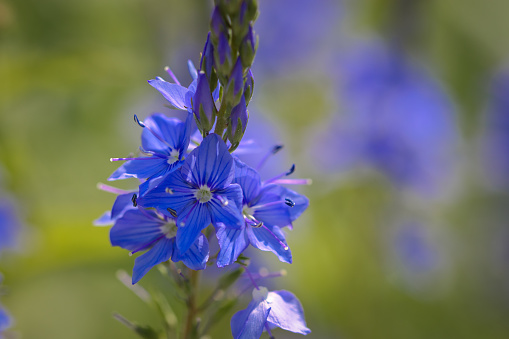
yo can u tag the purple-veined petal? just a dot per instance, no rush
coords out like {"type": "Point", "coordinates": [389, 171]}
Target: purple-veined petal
{"type": "Point", "coordinates": [248, 179]}
{"type": "Point", "coordinates": [191, 221]}
{"type": "Point", "coordinates": [228, 214]}
{"type": "Point", "coordinates": [286, 312]}
{"type": "Point", "coordinates": [210, 164]}
{"type": "Point", "coordinates": [265, 240]}
{"type": "Point", "coordinates": [122, 204]}
{"type": "Point", "coordinates": [196, 256]}
{"type": "Point", "coordinates": [134, 230]}
{"type": "Point", "coordinates": [267, 208]}
{"type": "Point", "coordinates": [160, 252]}
{"type": "Point", "coordinates": [192, 70]}
{"type": "Point", "coordinates": [174, 93]}
{"type": "Point", "coordinates": [170, 192]}
{"type": "Point", "coordinates": [232, 243]}
{"type": "Point", "coordinates": [249, 323]}
{"type": "Point", "coordinates": [173, 131]}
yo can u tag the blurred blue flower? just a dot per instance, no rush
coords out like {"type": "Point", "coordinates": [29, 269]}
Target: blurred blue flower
{"type": "Point", "coordinates": [495, 139]}
{"type": "Point", "coordinates": [139, 230]}
{"type": "Point", "coordinates": [266, 209]}
{"type": "Point", "coordinates": [293, 32]}
{"type": "Point", "coordinates": [269, 310]}
{"type": "Point", "coordinates": [200, 192]}
{"type": "Point", "coordinates": [165, 141]}
{"type": "Point", "coordinates": [395, 119]}
{"type": "Point", "coordinates": [10, 224]}
{"type": "Point", "coordinates": [5, 321]}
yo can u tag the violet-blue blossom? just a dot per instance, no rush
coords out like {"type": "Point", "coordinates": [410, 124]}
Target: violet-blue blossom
{"type": "Point", "coordinates": [268, 310]}
{"type": "Point", "coordinates": [139, 230]}
{"type": "Point", "coordinates": [495, 139]}
{"type": "Point", "coordinates": [267, 208]}
{"type": "Point", "coordinates": [394, 118]}
{"type": "Point", "coordinates": [200, 192]}
{"type": "Point", "coordinates": [164, 140]}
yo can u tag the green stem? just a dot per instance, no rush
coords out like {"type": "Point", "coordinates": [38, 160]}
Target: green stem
{"type": "Point", "coordinates": [192, 310]}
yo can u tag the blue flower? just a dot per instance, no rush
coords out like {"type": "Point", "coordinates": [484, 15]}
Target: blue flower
{"type": "Point", "coordinates": [5, 320]}
{"type": "Point", "coordinates": [266, 208]}
{"type": "Point", "coordinates": [495, 139]}
{"type": "Point", "coordinates": [10, 224]}
{"type": "Point", "coordinates": [165, 141]}
{"type": "Point", "coordinates": [138, 230]}
{"type": "Point", "coordinates": [200, 192]}
{"type": "Point", "coordinates": [267, 310]}
{"type": "Point", "coordinates": [396, 120]}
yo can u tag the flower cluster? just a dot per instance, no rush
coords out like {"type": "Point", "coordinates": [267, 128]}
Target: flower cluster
{"type": "Point", "coordinates": [193, 186]}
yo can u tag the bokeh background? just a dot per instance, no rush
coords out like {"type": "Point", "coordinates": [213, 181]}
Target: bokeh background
{"type": "Point", "coordinates": [397, 109]}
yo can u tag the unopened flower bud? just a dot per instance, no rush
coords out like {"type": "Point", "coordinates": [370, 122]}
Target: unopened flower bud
{"type": "Point", "coordinates": [204, 108]}
{"type": "Point", "coordinates": [235, 86]}
{"type": "Point", "coordinates": [238, 122]}
{"type": "Point", "coordinates": [207, 63]}
{"type": "Point", "coordinates": [248, 48]}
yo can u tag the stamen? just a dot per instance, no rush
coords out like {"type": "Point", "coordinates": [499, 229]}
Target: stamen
{"type": "Point", "coordinates": [289, 202]}
{"type": "Point", "coordinates": [151, 131]}
{"type": "Point", "coordinates": [285, 247]}
{"type": "Point", "coordinates": [279, 176]}
{"type": "Point", "coordinates": [273, 151]}
{"type": "Point", "coordinates": [172, 212]}
{"type": "Point", "coordinates": [293, 181]}
{"type": "Point", "coordinates": [168, 70]}
{"type": "Point", "coordinates": [168, 190]}
{"type": "Point", "coordinates": [111, 189]}
{"type": "Point", "coordinates": [124, 159]}
{"type": "Point", "coordinates": [272, 204]}
{"type": "Point", "coordinates": [222, 199]}
{"type": "Point", "coordinates": [134, 200]}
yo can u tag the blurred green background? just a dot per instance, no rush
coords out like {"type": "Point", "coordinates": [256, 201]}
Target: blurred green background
{"type": "Point", "coordinates": [72, 74]}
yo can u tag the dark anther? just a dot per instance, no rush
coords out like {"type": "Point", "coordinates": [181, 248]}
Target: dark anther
{"type": "Point", "coordinates": [277, 148]}
{"type": "Point", "coordinates": [292, 169]}
{"type": "Point", "coordinates": [289, 202]}
{"type": "Point", "coordinates": [138, 121]}
{"type": "Point", "coordinates": [133, 199]}
{"type": "Point", "coordinates": [258, 225]}
{"type": "Point", "coordinates": [172, 212]}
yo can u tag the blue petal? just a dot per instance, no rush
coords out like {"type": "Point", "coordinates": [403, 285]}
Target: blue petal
{"type": "Point", "coordinates": [174, 132]}
{"type": "Point", "coordinates": [210, 164]}
{"type": "Point", "coordinates": [230, 214]}
{"type": "Point", "coordinates": [262, 239]}
{"type": "Point", "coordinates": [195, 218]}
{"type": "Point", "coordinates": [161, 252]}
{"type": "Point", "coordinates": [122, 204]}
{"type": "Point", "coordinates": [174, 93]}
{"type": "Point", "coordinates": [104, 220]}
{"type": "Point", "coordinates": [180, 198]}
{"type": "Point", "coordinates": [286, 312]}
{"type": "Point", "coordinates": [134, 230]}
{"type": "Point", "coordinates": [232, 243]}
{"type": "Point", "coordinates": [5, 321]}
{"type": "Point", "coordinates": [249, 179]}
{"type": "Point", "coordinates": [249, 323]}
{"type": "Point", "coordinates": [196, 256]}
{"type": "Point", "coordinates": [301, 202]}
{"type": "Point", "coordinates": [278, 214]}
{"type": "Point", "coordinates": [142, 169]}
{"type": "Point", "coordinates": [192, 69]}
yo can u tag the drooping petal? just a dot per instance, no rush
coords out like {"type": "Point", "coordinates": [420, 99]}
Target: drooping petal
{"type": "Point", "coordinates": [232, 243]}
{"type": "Point", "coordinates": [249, 323]}
{"type": "Point", "coordinates": [142, 169]}
{"type": "Point", "coordinates": [174, 93]}
{"type": "Point", "coordinates": [265, 240]}
{"type": "Point", "coordinates": [267, 208]}
{"type": "Point", "coordinates": [122, 204]}
{"type": "Point", "coordinates": [210, 164]}
{"type": "Point", "coordinates": [134, 230]}
{"type": "Point", "coordinates": [286, 312]}
{"type": "Point", "coordinates": [196, 256]}
{"type": "Point", "coordinates": [170, 192]}
{"type": "Point", "coordinates": [191, 221]}
{"type": "Point", "coordinates": [227, 212]}
{"type": "Point", "coordinates": [249, 179]}
{"type": "Point", "coordinates": [160, 252]}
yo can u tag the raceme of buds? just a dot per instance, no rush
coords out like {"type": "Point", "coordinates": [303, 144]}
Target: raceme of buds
{"type": "Point", "coordinates": [204, 108]}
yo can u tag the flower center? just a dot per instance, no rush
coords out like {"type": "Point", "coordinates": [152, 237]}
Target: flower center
{"type": "Point", "coordinates": [173, 157]}
{"type": "Point", "coordinates": [169, 229]}
{"type": "Point", "coordinates": [203, 194]}
{"type": "Point", "coordinates": [247, 211]}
